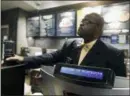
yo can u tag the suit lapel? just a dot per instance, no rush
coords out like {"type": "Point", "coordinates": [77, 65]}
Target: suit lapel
{"type": "Point", "coordinates": [94, 55]}
{"type": "Point", "coordinates": [89, 59]}
{"type": "Point", "coordinates": [75, 55]}
{"type": "Point", "coordinates": [78, 54]}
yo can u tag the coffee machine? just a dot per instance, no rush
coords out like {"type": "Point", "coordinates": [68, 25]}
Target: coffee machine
{"type": "Point", "coordinates": [8, 51]}
{"type": "Point", "coordinates": [8, 48]}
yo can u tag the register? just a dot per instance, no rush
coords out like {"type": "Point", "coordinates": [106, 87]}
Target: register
{"type": "Point", "coordinates": [69, 79]}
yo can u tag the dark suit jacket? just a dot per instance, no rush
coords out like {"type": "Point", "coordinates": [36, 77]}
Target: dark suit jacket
{"type": "Point", "coordinates": [100, 55]}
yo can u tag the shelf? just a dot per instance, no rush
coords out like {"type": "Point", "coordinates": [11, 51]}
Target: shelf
{"type": "Point", "coordinates": [38, 37]}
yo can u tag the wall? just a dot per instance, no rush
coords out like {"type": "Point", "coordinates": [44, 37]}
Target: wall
{"type": "Point", "coordinates": [16, 18]}
{"type": "Point", "coordinates": [58, 42]}
{"type": "Point", "coordinates": [0, 41]}
{"type": "Point", "coordinates": [50, 43]}
{"type": "Point", "coordinates": [71, 6]}
{"type": "Point", "coordinates": [10, 18]}
{"type": "Point", "coordinates": [21, 31]}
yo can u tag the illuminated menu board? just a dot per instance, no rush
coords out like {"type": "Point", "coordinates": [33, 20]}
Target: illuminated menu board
{"type": "Point", "coordinates": [65, 24]}
{"type": "Point", "coordinates": [33, 26]}
{"type": "Point", "coordinates": [47, 25]}
{"type": "Point", "coordinates": [114, 39]}
{"type": "Point", "coordinates": [84, 11]}
{"type": "Point", "coordinates": [116, 16]}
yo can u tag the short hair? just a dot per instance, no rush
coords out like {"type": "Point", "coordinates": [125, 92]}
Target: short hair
{"type": "Point", "coordinates": [99, 20]}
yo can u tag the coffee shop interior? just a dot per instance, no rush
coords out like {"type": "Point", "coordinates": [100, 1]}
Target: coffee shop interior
{"type": "Point", "coordinates": [34, 28]}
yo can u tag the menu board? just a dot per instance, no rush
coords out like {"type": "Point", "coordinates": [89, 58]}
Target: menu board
{"type": "Point", "coordinates": [47, 25]}
{"type": "Point", "coordinates": [122, 39]}
{"type": "Point", "coordinates": [33, 26]}
{"type": "Point", "coordinates": [86, 10]}
{"type": "Point", "coordinates": [65, 25]}
{"type": "Point", "coordinates": [116, 16]}
{"type": "Point", "coordinates": [114, 39]}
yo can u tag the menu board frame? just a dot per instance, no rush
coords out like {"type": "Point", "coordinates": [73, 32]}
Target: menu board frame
{"type": "Point", "coordinates": [111, 25]}
{"type": "Point", "coordinates": [48, 29]}
{"type": "Point", "coordinates": [66, 19]}
{"type": "Point", "coordinates": [35, 34]}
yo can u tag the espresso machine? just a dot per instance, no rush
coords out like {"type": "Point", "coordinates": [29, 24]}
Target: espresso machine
{"type": "Point", "coordinates": [8, 51]}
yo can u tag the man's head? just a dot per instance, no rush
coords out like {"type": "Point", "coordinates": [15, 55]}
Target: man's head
{"type": "Point", "coordinates": [91, 27]}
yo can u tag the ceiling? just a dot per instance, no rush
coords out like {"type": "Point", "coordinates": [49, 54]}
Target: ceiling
{"type": "Point", "coordinates": [35, 5]}
{"type": "Point", "coordinates": [6, 5]}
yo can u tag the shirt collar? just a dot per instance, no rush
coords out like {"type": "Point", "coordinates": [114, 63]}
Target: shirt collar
{"type": "Point", "coordinates": [90, 44]}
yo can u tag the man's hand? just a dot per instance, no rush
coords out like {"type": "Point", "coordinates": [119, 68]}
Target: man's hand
{"type": "Point", "coordinates": [15, 57]}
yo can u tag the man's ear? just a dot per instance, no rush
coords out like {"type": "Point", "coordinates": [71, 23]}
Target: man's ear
{"type": "Point", "coordinates": [98, 27]}
{"type": "Point", "coordinates": [98, 30]}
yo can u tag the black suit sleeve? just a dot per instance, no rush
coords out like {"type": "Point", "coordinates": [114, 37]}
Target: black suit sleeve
{"type": "Point", "coordinates": [45, 59]}
{"type": "Point", "coordinates": [120, 67]}
{"type": "Point", "coordinates": [48, 58]}
{"type": "Point", "coordinates": [36, 61]}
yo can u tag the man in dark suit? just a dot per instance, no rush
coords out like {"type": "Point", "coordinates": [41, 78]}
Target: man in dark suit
{"type": "Point", "coordinates": [92, 53]}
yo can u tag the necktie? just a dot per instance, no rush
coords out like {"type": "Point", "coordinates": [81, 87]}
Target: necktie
{"type": "Point", "coordinates": [83, 53]}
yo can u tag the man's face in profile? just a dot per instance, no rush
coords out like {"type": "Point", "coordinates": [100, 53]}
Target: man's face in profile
{"type": "Point", "coordinates": [89, 28]}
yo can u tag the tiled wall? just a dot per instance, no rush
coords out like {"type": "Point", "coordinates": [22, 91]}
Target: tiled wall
{"type": "Point", "coordinates": [50, 43]}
